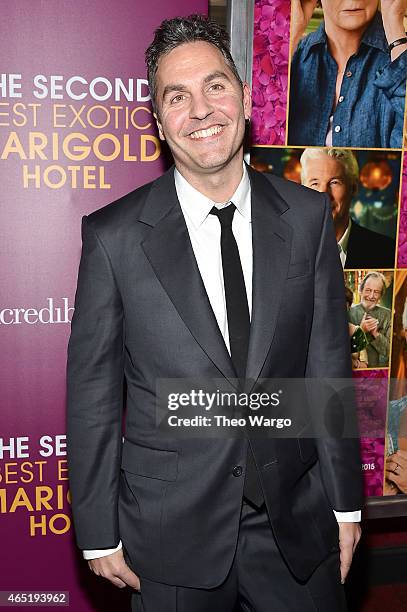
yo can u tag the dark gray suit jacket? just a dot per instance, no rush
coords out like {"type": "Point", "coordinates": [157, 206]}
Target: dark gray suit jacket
{"type": "Point", "coordinates": [141, 313]}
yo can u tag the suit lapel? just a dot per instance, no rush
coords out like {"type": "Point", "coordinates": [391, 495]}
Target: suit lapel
{"type": "Point", "coordinates": [169, 251]}
{"type": "Point", "coordinates": [271, 257]}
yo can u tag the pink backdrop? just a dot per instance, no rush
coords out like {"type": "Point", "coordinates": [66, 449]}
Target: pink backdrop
{"type": "Point", "coordinates": [45, 44]}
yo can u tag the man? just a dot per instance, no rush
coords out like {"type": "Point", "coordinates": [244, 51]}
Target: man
{"type": "Point", "coordinates": [171, 285]}
{"type": "Point", "coordinates": [375, 320]}
{"type": "Point", "coordinates": [336, 172]}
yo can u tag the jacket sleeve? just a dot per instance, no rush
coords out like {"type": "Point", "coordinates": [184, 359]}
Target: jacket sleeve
{"type": "Point", "coordinates": [329, 362]}
{"type": "Point", "coordinates": [95, 397]}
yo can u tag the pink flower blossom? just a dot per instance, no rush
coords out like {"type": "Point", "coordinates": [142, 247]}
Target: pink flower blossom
{"type": "Point", "coordinates": [270, 71]}
{"type": "Point", "coordinates": [402, 247]}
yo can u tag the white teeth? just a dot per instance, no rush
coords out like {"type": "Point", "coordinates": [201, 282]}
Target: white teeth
{"type": "Point", "coordinates": [205, 133]}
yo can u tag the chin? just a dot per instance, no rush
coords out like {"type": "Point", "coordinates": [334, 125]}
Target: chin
{"type": "Point", "coordinates": [353, 23]}
{"type": "Point", "coordinates": [214, 161]}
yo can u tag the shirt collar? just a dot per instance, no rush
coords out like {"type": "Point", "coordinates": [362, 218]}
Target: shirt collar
{"type": "Point", "coordinates": [343, 242]}
{"type": "Point", "coordinates": [197, 206]}
{"type": "Point", "coordinates": [315, 38]}
{"type": "Point", "coordinates": [374, 36]}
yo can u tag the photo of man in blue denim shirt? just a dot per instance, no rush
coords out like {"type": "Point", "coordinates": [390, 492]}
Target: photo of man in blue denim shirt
{"type": "Point", "coordinates": [348, 78]}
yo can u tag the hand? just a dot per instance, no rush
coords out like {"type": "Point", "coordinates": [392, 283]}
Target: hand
{"type": "Point", "coordinates": [393, 12]}
{"type": "Point", "coordinates": [349, 536]}
{"type": "Point", "coordinates": [114, 568]}
{"type": "Point", "coordinates": [369, 324]}
{"type": "Point", "coordinates": [300, 17]}
{"type": "Point", "coordinates": [396, 469]}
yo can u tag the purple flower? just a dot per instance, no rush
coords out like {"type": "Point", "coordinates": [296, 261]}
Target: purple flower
{"type": "Point", "coordinates": [402, 247]}
{"type": "Point", "coordinates": [270, 71]}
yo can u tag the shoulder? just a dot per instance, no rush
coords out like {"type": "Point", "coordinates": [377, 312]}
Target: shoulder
{"type": "Point", "coordinates": [304, 205]}
{"type": "Point", "coordinates": [369, 235]}
{"type": "Point", "coordinates": [309, 42]}
{"type": "Point", "coordinates": [356, 308]}
{"type": "Point", "coordinates": [293, 193]}
{"type": "Point", "coordinates": [383, 311]}
{"type": "Point", "coordinates": [355, 313]}
{"type": "Point", "coordinates": [293, 189]}
{"type": "Point", "coordinates": [122, 212]}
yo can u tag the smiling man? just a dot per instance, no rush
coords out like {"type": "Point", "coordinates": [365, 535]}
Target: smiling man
{"type": "Point", "coordinates": [213, 271]}
{"type": "Point", "coordinates": [375, 320]}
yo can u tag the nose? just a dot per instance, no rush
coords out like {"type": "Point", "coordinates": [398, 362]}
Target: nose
{"type": "Point", "coordinates": [200, 107]}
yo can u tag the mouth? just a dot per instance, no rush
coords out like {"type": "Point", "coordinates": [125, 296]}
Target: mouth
{"type": "Point", "coordinates": [214, 130]}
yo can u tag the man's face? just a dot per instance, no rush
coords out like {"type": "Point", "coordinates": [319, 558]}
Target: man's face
{"type": "Point", "coordinates": [371, 293]}
{"type": "Point", "coordinates": [349, 14]}
{"type": "Point", "coordinates": [201, 108]}
{"type": "Point", "coordinates": [327, 175]}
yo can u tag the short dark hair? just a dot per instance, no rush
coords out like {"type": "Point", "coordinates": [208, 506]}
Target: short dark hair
{"type": "Point", "coordinates": [175, 32]}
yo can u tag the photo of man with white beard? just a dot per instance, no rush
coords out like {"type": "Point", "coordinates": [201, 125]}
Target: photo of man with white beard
{"type": "Point", "coordinates": [374, 319]}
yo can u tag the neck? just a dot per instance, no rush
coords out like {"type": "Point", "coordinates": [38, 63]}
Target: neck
{"type": "Point", "coordinates": [341, 226]}
{"type": "Point", "coordinates": [343, 43]}
{"type": "Point", "coordinates": [217, 185]}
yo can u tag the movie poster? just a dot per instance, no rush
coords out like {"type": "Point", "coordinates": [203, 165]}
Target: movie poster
{"type": "Point", "coordinates": [337, 127]}
{"type": "Point", "coordinates": [76, 132]}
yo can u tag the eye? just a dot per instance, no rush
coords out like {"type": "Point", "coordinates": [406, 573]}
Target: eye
{"type": "Point", "coordinates": [216, 87]}
{"type": "Point", "coordinates": [177, 98]}
{"type": "Point", "coordinates": [314, 184]}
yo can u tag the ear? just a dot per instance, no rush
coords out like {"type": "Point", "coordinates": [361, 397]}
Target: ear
{"type": "Point", "coordinates": [159, 126]}
{"type": "Point", "coordinates": [247, 101]}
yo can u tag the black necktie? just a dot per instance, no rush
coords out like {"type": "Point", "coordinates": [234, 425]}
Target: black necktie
{"type": "Point", "coordinates": [238, 325]}
{"type": "Point", "coordinates": [235, 291]}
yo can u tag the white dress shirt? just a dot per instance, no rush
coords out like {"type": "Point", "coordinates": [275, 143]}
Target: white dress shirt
{"type": "Point", "coordinates": [204, 232]}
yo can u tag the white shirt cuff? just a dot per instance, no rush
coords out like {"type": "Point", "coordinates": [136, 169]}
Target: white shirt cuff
{"type": "Point", "coordinates": [341, 517]}
{"type": "Point", "coordinates": [348, 517]}
{"type": "Point", "coordinates": [103, 552]}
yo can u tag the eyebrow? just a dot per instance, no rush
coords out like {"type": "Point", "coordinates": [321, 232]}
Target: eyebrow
{"type": "Point", "coordinates": [218, 74]}
{"type": "Point", "coordinates": [331, 179]}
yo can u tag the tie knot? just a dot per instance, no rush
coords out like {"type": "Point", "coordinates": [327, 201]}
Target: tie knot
{"type": "Point", "coordinates": [225, 215]}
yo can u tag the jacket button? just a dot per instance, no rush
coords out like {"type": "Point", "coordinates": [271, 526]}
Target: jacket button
{"type": "Point", "coordinates": [237, 470]}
